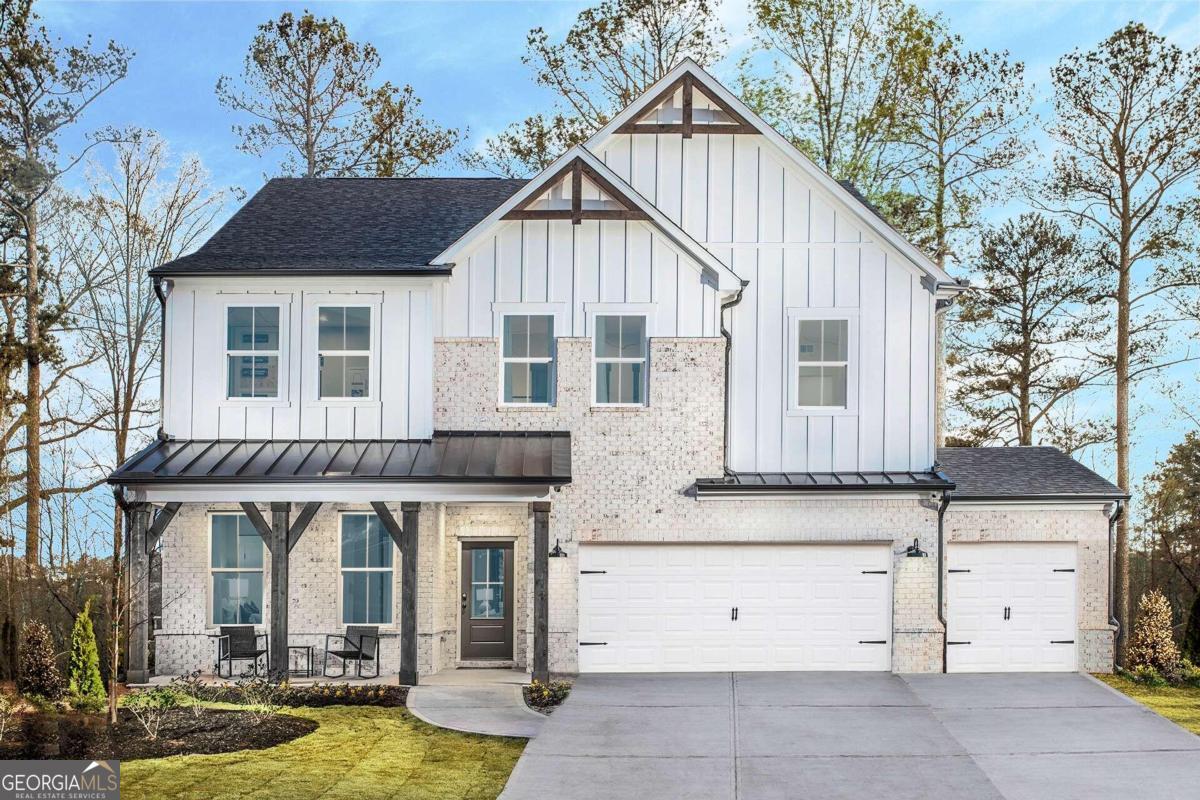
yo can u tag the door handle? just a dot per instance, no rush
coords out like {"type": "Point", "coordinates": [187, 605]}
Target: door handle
{"type": "Point", "coordinates": [464, 602]}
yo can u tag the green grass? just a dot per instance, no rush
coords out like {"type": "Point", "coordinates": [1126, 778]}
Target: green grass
{"type": "Point", "coordinates": [1180, 704]}
{"type": "Point", "coordinates": [356, 753]}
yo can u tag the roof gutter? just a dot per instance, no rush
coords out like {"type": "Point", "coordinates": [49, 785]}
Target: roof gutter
{"type": "Point", "coordinates": [728, 336]}
{"type": "Point", "coordinates": [318, 272]}
{"type": "Point", "coordinates": [1039, 498]}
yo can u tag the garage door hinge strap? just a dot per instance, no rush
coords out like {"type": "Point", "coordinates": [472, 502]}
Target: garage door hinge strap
{"type": "Point", "coordinates": [958, 570]}
{"type": "Point", "coordinates": [872, 641]}
{"type": "Point", "coordinates": [592, 644]}
{"type": "Point", "coordinates": [593, 572]}
{"type": "Point", "coordinates": [1062, 641]}
{"type": "Point", "coordinates": [874, 572]}
{"type": "Point", "coordinates": [950, 643]}
{"type": "Point", "coordinates": [1065, 570]}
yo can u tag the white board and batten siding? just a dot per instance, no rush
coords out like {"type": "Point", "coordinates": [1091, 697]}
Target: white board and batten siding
{"type": "Point", "coordinates": [802, 251]}
{"type": "Point", "coordinates": [573, 268]}
{"type": "Point", "coordinates": [401, 369]}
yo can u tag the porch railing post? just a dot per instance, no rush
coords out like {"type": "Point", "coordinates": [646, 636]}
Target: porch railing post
{"type": "Point", "coordinates": [278, 657]}
{"type": "Point", "coordinates": [541, 591]}
{"type": "Point", "coordinates": [410, 514]}
{"type": "Point", "coordinates": [138, 616]}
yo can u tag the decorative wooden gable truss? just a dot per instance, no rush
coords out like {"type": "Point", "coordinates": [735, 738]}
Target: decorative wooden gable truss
{"type": "Point", "coordinates": [675, 110]}
{"type": "Point", "coordinates": [577, 192]}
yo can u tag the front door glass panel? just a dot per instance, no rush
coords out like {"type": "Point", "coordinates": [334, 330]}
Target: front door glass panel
{"type": "Point", "coordinates": [487, 583]}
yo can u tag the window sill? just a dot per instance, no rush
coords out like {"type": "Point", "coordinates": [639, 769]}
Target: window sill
{"type": "Point", "coordinates": [818, 411]}
{"type": "Point", "coordinates": [625, 409]}
{"type": "Point", "coordinates": [253, 402]}
{"type": "Point", "coordinates": [505, 408]}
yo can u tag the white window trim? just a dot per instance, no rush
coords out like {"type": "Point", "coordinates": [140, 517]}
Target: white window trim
{"type": "Point", "coordinates": [519, 310]}
{"type": "Point", "coordinates": [395, 623]}
{"type": "Point", "coordinates": [644, 310]}
{"type": "Point", "coordinates": [347, 301]}
{"type": "Point", "coordinates": [252, 301]}
{"type": "Point", "coordinates": [210, 622]}
{"type": "Point", "coordinates": [851, 317]}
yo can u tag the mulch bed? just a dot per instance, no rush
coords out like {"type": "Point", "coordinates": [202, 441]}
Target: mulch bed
{"type": "Point", "coordinates": [182, 733]}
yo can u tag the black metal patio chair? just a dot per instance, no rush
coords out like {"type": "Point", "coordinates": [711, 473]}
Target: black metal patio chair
{"type": "Point", "coordinates": [358, 644]}
{"type": "Point", "coordinates": [241, 643]}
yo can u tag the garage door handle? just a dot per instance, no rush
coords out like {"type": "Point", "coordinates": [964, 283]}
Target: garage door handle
{"type": "Point", "coordinates": [593, 572]}
{"type": "Point", "coordinates": [958, 570]}
{"type": "Point", "coordinates": [1065, 570]}
{"type": "Point", "coordinates": [1062, 641]}
{"type": "Point", "coordinates": [733, 613]}
{"type": "Point", "coordinates": [950, 643]}
{"type": "Point", "coordinates": [872, 641]}
{"type": "Point", "coordinates": [874, 572]}
{"type": "Point", "coordinates": [592, 644]}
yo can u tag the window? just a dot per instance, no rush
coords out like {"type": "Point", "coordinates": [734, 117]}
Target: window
{"type": "Point", "coordinates": [620, 342]}
{"type": "Point", "coordinates": [366, 571]}
{"type": "Point", "coordinates": [252, 351]}
{"type": "Point", "coordinates": [822, 348]}
{"type": "Point", "coordinates": [237, 571]}
{"type": "Point", "coordinates": [527, 358]}
{"type": "Point", "coordinates": [487, 583]}
{"type": "Point", "coordinates": [344, 352]}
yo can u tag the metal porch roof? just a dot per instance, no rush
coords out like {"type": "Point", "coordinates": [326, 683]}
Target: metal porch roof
{"type": "Point", "coordinates": [786, 482]}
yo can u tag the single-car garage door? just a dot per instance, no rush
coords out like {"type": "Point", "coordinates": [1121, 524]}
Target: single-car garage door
{"type": "Point", "coordinates": [1010, 607]}
{"type": "Point", "coordinates": [694, 607]}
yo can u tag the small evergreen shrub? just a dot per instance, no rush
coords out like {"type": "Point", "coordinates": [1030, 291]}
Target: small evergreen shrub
{"type": "Point", "coordinates": [1152, 643]}
{"type": "Point", "coordinates": [546, 695]}
{"type": "Point", "coordinates": [85, 688]}
{"type": "Point", "coordinates": [1147, 676]}
{"type": "Point", "coordinates": [38, 674]}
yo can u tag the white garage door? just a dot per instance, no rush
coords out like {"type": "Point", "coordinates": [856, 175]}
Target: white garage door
{"type": "Point", "coordinates": [1010, 607]}
{"type": "Point", "coordinates": [686, 607]}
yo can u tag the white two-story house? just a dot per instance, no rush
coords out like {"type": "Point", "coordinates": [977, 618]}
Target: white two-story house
{"type": "Point", "coordinates": [668, 406]}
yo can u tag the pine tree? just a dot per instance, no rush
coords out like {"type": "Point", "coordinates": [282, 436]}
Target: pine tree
{"type": "Point", "coordinates": [38, 673]}
{"type": "Point", "coordinates": [1152, 644]}
{"type": "Point", "coordinates": [84, 681]}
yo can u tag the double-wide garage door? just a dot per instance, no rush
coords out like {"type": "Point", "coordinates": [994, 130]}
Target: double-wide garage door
{"type": "Point", "coordinates": [693, 607]}
{"type": "Point", "coordinates": [1010, 607]}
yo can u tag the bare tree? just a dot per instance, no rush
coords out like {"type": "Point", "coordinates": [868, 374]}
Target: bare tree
{"type": "Point", "coordinates": [307, 86]}
{"type": "Point", "coordinates": [1025, 339]}
{"type": "Point", "coordinates": [44, 89]}
{"type": "Point", "coordinates": [1126, 169]}
{"type": "Point", "coordinates": [608, 58]}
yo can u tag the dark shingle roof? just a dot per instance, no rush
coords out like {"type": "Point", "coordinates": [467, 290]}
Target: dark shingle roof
{"type": "Point", "coordinates": [1021, 472]}
{"type": "Point", "coordinates": [450, 456]}
{"type": "Point", "coordinates": [323, 225]}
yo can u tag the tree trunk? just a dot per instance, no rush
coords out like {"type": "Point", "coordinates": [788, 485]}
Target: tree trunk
{"type": "Point", "coordinates": [1121, 565]}
{"type": "Point", "coordinates": [33, 392]}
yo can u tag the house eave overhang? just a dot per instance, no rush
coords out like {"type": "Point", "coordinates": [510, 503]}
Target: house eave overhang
{"type": "Point", "coordinates": [426, 271]}
{"type": "Point", "coordinates": [1028, 499]}
{"type": "Point", "coordinates": [334, 491]}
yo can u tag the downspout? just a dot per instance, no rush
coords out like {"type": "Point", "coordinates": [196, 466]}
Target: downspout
{"type": "Point", "coordinates": [1113, 519]}
{"type": "Point", "coordinates": [159, 292]}
{"type": "Point", "coordinates": [942, 506]}
{"type": "Point", "coordinates": [728, 304]}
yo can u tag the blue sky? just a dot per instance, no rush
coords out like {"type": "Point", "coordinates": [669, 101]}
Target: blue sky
{"type": "Point", "coordinates": [464, 61]}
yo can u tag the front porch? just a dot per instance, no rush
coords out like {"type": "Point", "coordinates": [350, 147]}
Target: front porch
{"type": "Point", "coordinates": [445, 565]}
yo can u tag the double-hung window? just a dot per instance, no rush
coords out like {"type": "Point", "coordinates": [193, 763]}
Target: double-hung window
{"type": "Point", "coordinates": [822, 362]}
{"type": "Point", "coordinates": [621, 351]}
{"type": "Point", "coordinates": [527, 359]}
{"type": "Point", "coordinates": [344, 352]}
{"type": "Point", "coordinates": [237, 571]}
{"type": "Point", "coordinates": [366, 571]}
{"type": "Point", "coordinates": [252, 352]}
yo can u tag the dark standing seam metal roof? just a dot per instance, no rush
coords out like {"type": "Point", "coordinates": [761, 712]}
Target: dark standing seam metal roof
{"type": "Point", "coordinates": [449, 457]}
{"type": "Point", "coordinates": [328, 225]}
{"type": "Point", "coordinates": [777, 482]}
{"type": "Point", "coordinates": [1021, 473]}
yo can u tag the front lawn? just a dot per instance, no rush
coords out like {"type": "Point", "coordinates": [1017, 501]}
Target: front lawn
{"type": "Point", "coordinates": [1180, 704]}
{"type": "Point", "coordinates": [357, 753]}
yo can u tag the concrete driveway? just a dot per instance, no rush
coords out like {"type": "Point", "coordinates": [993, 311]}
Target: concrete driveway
{"type": "Point", "coordinates": [827, 736]}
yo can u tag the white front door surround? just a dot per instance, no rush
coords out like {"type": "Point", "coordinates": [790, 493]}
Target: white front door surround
{"type": "Point", "coordinates": [715, 607]}
{"type": "Point", "coordinates": [1010, 607]}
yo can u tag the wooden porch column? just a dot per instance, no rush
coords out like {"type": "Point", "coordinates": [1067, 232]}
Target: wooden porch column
{"type": "Point", "coordinates": [541, 591]}
{"type": "Point", "coordinates": [137, 668]}
{"type": "Point", "coordinates": [277, 662]}
{"type": "Point", "coordinates": [410, 528]}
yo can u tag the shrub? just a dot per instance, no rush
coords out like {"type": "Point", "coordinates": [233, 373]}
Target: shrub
{"type": "Point", "coordinates": [1152, 644]}
{"type": "Point", "coordinates": [38, 674]}
{"type": "Point", "coordinates": [1189, 673]}
{"type": "Point", "coordinates": [262, 696]}
{"type": "Point", "coordinates": [195, 692]}
{"type": "Point", "coordinates": [546, 695]}
{"type": "Point", "coordinates": [85, 688]}
{"type": "Point", "coordinates": [150, 707]}
{"type": "Point", "coordinates": [1147, 676]}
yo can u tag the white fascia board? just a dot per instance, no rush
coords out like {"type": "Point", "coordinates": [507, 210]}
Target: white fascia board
{"type": "Point", "coordinates": [725, 278]}
{"type": "Point", "coordinates": [349, 492]}
{"type": "Point", "coordinates": [803, 162]}
{"type": "Point", "coordinates": [1084, 504]}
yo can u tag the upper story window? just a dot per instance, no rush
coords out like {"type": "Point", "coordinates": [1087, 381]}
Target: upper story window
{"type": "Point", "coordinates": [252, 351]}
{"type": "Point", "coordinates": [236, 567]}
{"type": "Point", "coordinates": [621, 353]}
{"type": "Point", "coordinates": [822, 363]}
{"type": "Point", "coordinates": [344, 352]}
{"type": "Point", "coordinates": [527, 359]}
{"type": "Point", "coordinates": [366, 571]}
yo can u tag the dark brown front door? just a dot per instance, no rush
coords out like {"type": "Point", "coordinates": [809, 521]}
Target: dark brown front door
{"type": "Point", "coordinates": [487, 599]}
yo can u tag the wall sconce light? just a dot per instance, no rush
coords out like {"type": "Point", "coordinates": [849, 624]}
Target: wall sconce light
{"type": "Point", "coordinates": [558, 552]}
{"type": "Point", "coordinates": [914, 550]}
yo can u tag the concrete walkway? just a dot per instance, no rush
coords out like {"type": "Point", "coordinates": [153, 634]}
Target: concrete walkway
{"type": "Point", "coordinates": [854, 736]}
{"type": "Point", "coordinates": [487, 701]}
